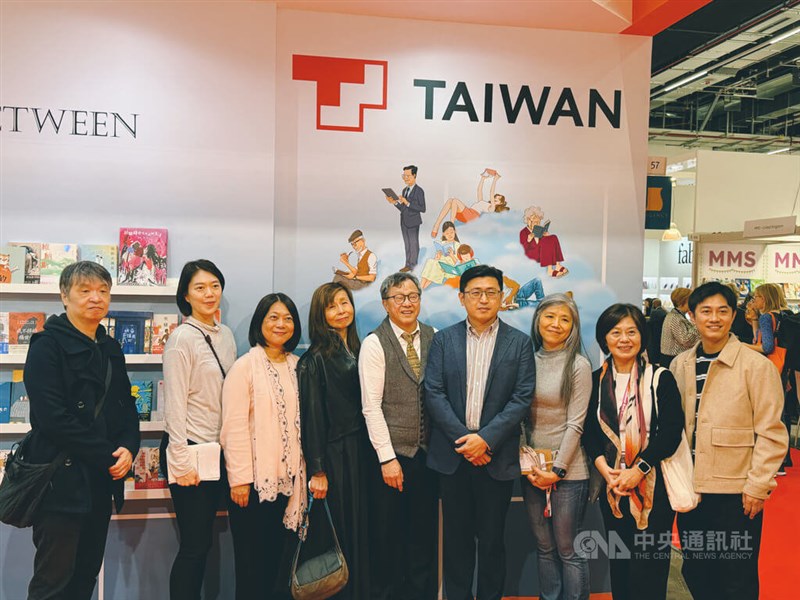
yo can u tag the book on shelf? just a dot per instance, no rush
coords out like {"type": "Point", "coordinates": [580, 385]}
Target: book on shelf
{"type": "Point", "coordinates": [5, 402]}
{"type": "Point", "coordinates": [55, 257]}
{"type": "Point", "coordinates": [131, 329]}
{"type": "Point", "coordinates": [12, 264]}
{"type": "Point", "coordinates": [146, 474]}
{"type": "Point", "coordinates": [791, 291]}
{"type": "Point", "coordinates": [102, 254]}
{"type": "Point", "coordinates": [142, 392]}
{"type": "Point", "coordinates": [3, 458]}
{"type": "Point", "coordinates": [21, 326]}
{"type": "Point", "coordinates": [142, 256]}
{"type": "Point", "coordinates": [3, 333]}
{"type": "Point", "coordinates": [540, 230]}
{"type": "Point", "coordinates": [20, 411]}
{"type": "Point", "coordinates": [160, 401]}
{"type": "Point", "coordinates": [33, 259]}
{"type": "Point", "coordinates": [163, 326]}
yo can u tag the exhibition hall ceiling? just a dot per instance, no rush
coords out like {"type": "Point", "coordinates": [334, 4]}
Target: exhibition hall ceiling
{"type": "Point", "coordinates": [727, 77]}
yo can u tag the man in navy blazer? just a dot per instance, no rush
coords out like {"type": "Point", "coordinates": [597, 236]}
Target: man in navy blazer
{"type": "Point", "coordinates": [479, 382]}
{"type": "Point", "coordinates": [411, 205]}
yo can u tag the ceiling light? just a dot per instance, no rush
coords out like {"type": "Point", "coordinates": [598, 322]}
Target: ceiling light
{"type": "Point", "coordinates": [783, 36]}
{"type": "Point", "coordinates": [684, 81]}
{"type": "Point", "coordinates": [672, 234]}
{"type": "Point", "coordinates": [780, 150]}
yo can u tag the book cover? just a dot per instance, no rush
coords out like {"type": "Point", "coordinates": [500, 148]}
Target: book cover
{"type": "Point", "coordinates": [33, 258]}
{"type": "Point", "coordinates": [142, 256]}
{"type": "Point", "coordinates": [142, 392]}
{"type": "Point", "coordinates": [158, 407]}
{"type": "Point", "coordinates": [130, 329]}
{"type": "Point", "coordinates": [20, 406]}
{"type": "Point", "coordinates": [12, 264]}
{"type": "Point", "coordinates": [163, 326]}
{"type": "Point", "coordinates": [3, 458]}
{"type": "Point", "coordinates": [540, 230]}
{"type": "Point", "coordinates": [56, 256]}
{"type": "Point", "coordinates": [5, 402]}
{"type": "Point", "coordinates": [21, 326]}
{"type": "Point", "coordinates": [145, 470]}
{"type": "Point", "coordinates": [3, 333]}
{"type": "Point", "coordinates": [458, 269]}
{"type": "Point", "coordinates": [105, 255]}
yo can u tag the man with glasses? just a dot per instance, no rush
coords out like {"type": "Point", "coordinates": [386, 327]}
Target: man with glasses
{"type": "Point", "coordinates": [403, 511]}
{"type": "Point", "coordinates": [411, 205]}
{"type": "Point", "coordinates": [366, 269]}
{"type": "Point", "coordinates": [479, 383]}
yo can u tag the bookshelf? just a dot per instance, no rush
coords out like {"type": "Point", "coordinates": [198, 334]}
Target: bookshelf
{"type": "Point", "coordinates": [18, 359]}
{"type": "Point", "coordinates": [22, 428]}
{"type": "Point", "coordinates": [51, 289]}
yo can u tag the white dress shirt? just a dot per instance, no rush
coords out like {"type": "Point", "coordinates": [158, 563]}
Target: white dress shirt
{"type": "Point", "coordinates": [480, 348]}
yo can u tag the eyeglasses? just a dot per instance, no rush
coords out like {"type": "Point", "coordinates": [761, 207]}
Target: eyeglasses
{"type": "Point", "coordinates": [617, 335]}
{"type": "Point", "coordinates": [400, 298]}
{"type": "Point", "coordinates": [476, 294]}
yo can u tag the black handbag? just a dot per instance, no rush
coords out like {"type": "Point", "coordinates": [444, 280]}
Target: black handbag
{"type": "Point", "coordinates": [321, 576]}
{"type": "Point", "coordinates": [25, 483]}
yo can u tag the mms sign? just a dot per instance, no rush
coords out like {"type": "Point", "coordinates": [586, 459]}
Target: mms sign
{"type": "Point", "coordinates": [346, 87]}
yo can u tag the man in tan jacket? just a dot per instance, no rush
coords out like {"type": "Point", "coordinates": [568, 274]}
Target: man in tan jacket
{"type": "Point", "coordinates": [732, 399]}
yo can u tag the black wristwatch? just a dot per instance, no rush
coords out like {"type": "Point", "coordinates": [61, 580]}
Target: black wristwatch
{"type": "Point", "coordinates": [560, 472]}
{"type": "Point", "coordinates": [643, 466]}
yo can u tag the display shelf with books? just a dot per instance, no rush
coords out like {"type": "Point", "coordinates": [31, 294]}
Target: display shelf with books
{"type": "Point", "coordinates": [51, 289]}
{"type": "Point", "coordinates": [18, 358]}
{"type": "Point", "coordinates": [17, 428]}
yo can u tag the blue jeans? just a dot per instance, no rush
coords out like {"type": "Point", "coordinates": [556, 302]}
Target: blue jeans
{"type": "Point", "coordinates": [563, 575]}
{"type": "Point", "coordinates": [532, 288]}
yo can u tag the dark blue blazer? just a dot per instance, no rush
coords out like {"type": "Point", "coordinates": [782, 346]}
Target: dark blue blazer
{"type": "Point", "coordinates": [509, 391]}
{"type": "Point", "coordinates": [410, 215]}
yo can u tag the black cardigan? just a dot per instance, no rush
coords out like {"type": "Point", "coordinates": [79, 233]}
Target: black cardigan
{"type": "Point", "coordinates": [662, 443]}
{"type": "Point", "coordinates": [65, 377]}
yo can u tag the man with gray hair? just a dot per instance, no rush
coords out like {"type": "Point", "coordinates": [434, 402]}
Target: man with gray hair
{"type": "Point", "coordinates": [403, 499]}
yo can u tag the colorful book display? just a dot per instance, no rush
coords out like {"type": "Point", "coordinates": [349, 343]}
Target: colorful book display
{"type": "Point", "coordinates": [142, 256]}
{"type": "Point", "coordinates": [163, 326]}
{"type": "Point", "coordinates": [146, 474]}
{"type": "Point", "coordinates": [33, 258]}
{"type": "Point", "coordinates": [21, 326]}
{"type": "Point", "coordinates": [20, 406]}
{"type": "Point", "coordinates": [5, 402]}
{"type": "Point", "coordinates": [12, 264]}
{"type": "Point", "coordinates": [54, 258]}
{"type": "Point", "coordinates": [131, 329]}
{"type": "Point", "coordinates": [105, 255]}
{"type": "Point", "coordinates": [142, 392]}
{"type": "Point", "coordinates": [3, 333]}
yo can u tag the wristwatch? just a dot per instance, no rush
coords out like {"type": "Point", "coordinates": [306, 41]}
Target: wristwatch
{"type": "Point", "coordinates": [560, 472]}
{"type": "Point", "coordinates": [643, 467]}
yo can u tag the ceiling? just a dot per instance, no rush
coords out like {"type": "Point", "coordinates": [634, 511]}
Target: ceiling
{"type": "Point", "coordinates": [727, 77]}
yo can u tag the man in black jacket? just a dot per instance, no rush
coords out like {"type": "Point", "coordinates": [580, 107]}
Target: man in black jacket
{"type": "Point", "coordinates": [655, 323]}
{"type": "Point", "coordinates": [81, 407]}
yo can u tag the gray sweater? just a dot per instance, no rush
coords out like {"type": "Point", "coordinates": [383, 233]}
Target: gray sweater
{"type": "Point", "coordinates": [557, 423]}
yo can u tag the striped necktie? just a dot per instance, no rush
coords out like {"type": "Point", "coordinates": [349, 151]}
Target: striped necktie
{"type": "Point", "coordinates": [411, 353]}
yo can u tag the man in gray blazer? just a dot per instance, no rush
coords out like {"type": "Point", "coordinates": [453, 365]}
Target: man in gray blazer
{"type": "Point", "coordinates": [411, 205]}
{"type": "Point", "coordinates": [479, 382]}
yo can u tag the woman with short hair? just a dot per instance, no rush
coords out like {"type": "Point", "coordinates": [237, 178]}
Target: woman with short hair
{"type": "Point", "coordinates": [261, 439]}
{"type": "Point", "coordinates": [635, 420]}
{"type": "Point", "coordinates": [334, 435]}
{"type": "Point", "coordinates": [678, 333]}
{"type": "Point", "coordinates": [555, 498]}
{"type": "Point", "coordinates": [197, 356]}
{"type": "Point", "coordinates": [82, 411]}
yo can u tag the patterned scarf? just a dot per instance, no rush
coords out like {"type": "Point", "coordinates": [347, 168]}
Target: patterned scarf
{"type": "Point", "coordinates": [630, 422]}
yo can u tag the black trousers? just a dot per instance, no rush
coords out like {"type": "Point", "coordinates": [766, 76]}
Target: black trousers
{"type": "Point", "coordinates": [403, 533]}
{"type": "Point", "coordinates": [411, 244]}
{"type": "Point", "coordinates": [474, 507]}
{"type": "Point", "coordinates": [720, 549]}
{"type": "Point", "coordinates": [69, 552]}
{"type": "Point", "coordinates": [260, 548]}
{"type": "Point", "coordinates": [195, 510]}
{"type": "Point", "coordinates": [645, 574]}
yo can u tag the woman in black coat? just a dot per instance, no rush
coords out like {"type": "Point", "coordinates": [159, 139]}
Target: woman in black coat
{"type": "Point", "coordinates": [333, 432]}
{"type": "Point", "coordinates": [69, 367]}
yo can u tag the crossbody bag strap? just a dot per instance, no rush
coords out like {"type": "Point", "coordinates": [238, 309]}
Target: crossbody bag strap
{"type": "Point", "coordinates": [207, 338]}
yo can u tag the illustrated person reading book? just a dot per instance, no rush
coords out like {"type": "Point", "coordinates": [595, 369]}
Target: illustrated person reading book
{"type": "Point", "coordinates": [445, 252]}
{"type": "Point", "coordinates": [541, 245]}
{"type": "Point", "coordinates": [466, 260]}
{"type": "Point", "coordinates": [463, 213]}
{"type": "Point", "coordinates": [364, 272]}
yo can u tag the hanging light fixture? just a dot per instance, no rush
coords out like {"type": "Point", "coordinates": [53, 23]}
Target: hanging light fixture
{"type": "Point", "coordinates": [672, 234]}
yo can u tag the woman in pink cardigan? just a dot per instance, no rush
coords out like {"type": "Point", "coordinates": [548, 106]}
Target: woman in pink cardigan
{"type": "Point", "coordinates": [261, 440]}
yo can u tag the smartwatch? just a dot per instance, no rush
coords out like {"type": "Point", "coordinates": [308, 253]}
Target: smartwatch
{"type": "Point", "coordinates": [643, 467]}
{"type": "Point", "coordinates": [560, 472]}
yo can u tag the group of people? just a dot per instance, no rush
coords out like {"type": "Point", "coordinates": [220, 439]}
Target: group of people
{"type": "Point", "coordinates": [385, 426]}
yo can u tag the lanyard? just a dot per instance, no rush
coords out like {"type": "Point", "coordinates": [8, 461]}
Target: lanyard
{"type": "Point", "coordinates": [622, 411]}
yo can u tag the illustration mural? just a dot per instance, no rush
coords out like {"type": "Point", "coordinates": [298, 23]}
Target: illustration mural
{"type": "Point", "coordinates": [365, 269]}
{"type": "Point", "coordinates": [411, 204]}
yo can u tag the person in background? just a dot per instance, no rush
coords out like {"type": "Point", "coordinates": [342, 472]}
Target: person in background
{"type": "Point", "coordinates": [403, 497]}
{"type": "Point", "coordinates": [678, 333]}
{"type": "Point", "coordinates": [635, 506]}
{"type": "Point", "coordinates": [741, 328]}
{"type": "Point", "coordinates": [411, 204]}
{"type": "Point", "coordinates": [770, 303]}
{"type": "Point", "coordinates": [732, 399]}
{"type": "Point", "coordinates": [555, 499]}
{"type": "Point", "coordinates": [647, 306]}
{"type": "Point", "coordinates": [364, 272]}
{"type": "Point", "coordinates": [655, 325]}
{"type": "Point", "coordinates": [261, 439]}
{"type": "Point", "coordinates": [197, 356]}
{"type": "Point", "coordinates": [479, 381]}
{"type": "Point", "coordinates": [81, 407]}
{"type": "Point", "coordinates": [334, 436]}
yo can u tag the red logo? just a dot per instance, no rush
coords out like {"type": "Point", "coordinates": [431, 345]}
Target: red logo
{"type": "Point", "coordinates": [346, 87]}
